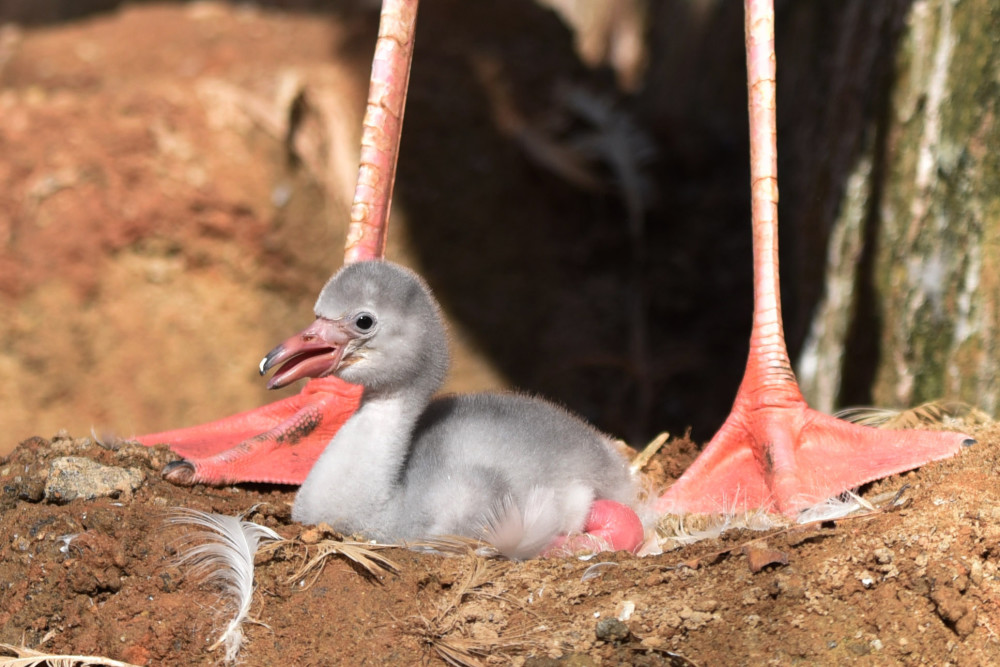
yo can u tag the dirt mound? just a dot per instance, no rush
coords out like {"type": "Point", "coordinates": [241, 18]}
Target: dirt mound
{"type": "Point", "coordinates": [913, 584]}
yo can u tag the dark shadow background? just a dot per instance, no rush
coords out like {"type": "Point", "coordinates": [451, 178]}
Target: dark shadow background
{"type": "Point", "coordinates": [546, 277]}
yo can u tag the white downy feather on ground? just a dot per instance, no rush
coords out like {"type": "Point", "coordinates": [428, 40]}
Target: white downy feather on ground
{"type": "Point", "coordinates": [223, 552]}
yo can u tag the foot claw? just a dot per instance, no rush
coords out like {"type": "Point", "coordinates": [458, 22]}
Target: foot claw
{"type": "Point", "coordinates": [181, 473]}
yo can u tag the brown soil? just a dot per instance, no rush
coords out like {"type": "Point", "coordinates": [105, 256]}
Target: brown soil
{"type": "Point", "coordinates": [159, 236]}
{"type": "Point", "coordinates": [915, 584]}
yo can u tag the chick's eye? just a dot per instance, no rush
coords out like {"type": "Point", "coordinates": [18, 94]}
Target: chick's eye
{"type": "Point", "coordinates": [364, 321]}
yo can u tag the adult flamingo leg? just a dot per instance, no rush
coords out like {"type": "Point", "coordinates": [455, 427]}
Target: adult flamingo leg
{"type": "Point", "coordinates": [279, 442]}
{"type": "Point", "coordinates": [774, 452]}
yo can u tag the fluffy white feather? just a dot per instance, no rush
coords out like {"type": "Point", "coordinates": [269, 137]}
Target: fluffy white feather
{"type": "Point", "coordinates": [834, 508]}
{"type": "Point", "coordinates": [522, 532]}
{"type": "Point", "coordinates": [223, 552]}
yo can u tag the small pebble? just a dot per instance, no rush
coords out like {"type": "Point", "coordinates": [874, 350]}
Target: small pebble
{"type": "Point", "coordinates": [882, 555]}
{"type": "Point", "coordinates": [612, 630]}
{"type": "Point", "coordinates": [705, 605]}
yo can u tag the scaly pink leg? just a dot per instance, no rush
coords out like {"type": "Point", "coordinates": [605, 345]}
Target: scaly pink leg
{"type": "Point", "coordinates": [774, 452]}
{"type": "Point", "coordinates": [280, 442]}
{"type": "Point", "coordinates": [381, 130]}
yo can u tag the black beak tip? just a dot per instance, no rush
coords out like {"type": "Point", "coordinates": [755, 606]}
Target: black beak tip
{"type": "Point", "coordinates": [270, 359]}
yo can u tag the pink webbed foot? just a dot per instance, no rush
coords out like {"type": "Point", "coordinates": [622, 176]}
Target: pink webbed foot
{"type": "Point", "coordinates": [277, 443]}
{"type": "Point", "coordinates": [610, 526]}
{"type": "Point", "coordinates": [790, 457]}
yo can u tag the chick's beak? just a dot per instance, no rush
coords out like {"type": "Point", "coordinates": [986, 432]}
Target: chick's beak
{"type": "Point", "coordinates": [314, 352]}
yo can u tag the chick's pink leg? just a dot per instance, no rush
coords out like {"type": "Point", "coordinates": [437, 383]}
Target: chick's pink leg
{"type": "Point", "coordinates": [610, 526]}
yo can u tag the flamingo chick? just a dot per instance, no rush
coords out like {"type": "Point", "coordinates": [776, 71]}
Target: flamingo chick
{"type": "Point", "coordinates": [515, 471]}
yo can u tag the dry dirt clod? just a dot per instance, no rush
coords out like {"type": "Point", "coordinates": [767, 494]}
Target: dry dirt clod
{"type": "Point", "coordinates": [28, 489]}
{"type": "Point", "coordinates": [956, 613]}
{"type": "Point", "coordinates": [760, 557]}
{"type": "Point", "coordinates": [311, 536]}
